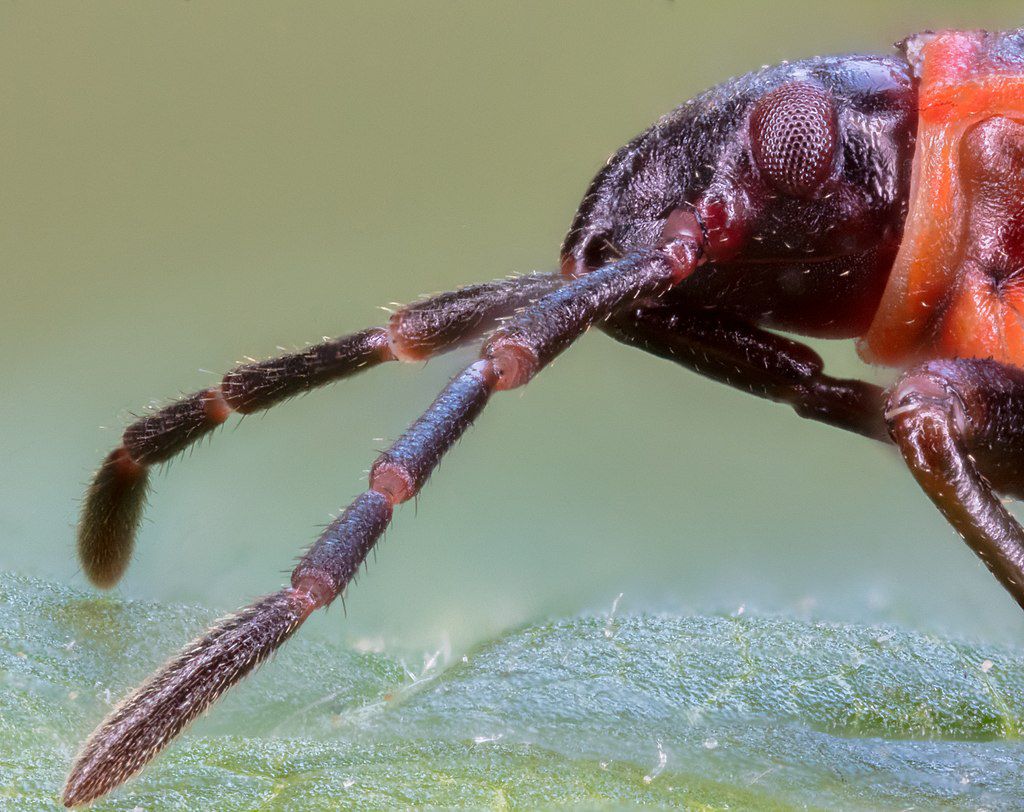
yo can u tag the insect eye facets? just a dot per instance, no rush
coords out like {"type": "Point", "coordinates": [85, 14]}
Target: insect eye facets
{"type": "Point", "coordinates": [794, 137]}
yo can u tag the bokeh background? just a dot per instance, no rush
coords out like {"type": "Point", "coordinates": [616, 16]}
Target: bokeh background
{"type": "Point", "coordinates": [187, 183]}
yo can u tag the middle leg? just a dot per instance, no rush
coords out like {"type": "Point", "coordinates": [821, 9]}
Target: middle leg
{"type": "Point", "coordinates": [959, 424]}
{"type": "Point", "coordinates": [736, 353]}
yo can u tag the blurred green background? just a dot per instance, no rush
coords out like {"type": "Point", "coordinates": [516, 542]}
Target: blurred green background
{"type": "Point", "coordinates": [187, 183]}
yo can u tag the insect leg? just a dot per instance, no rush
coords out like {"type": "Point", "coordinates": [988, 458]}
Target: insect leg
{"type": "Point", "coordinates": [960, 427]}
{"type": "Point", "coordinates": [114, 501]}
{"type": "Point", "coordinates": [186, 686]}
{"type": "Point", "coordinates": [746, 357]}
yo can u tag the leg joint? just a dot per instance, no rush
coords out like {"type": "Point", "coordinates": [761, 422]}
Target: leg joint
{"type": "Point", "coordinates": [393, 480]}
{"type": "Point", "coordinates": [514, 363]}
{"type": "Point", "coordinates": [925, 395]}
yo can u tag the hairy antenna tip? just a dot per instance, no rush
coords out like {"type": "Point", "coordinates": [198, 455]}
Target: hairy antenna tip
{"type": "Point", "coordinates": [110, 517]}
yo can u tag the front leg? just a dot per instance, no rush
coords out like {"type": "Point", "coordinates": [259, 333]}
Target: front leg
{"type": "Point", "coordinates": [960, 427]}
{"type": "Point", "coordinates": [114, 502]}
{"type": "Point", "coordinates": [144, 723]}
{"type": "Point", "coordinates": [731, 351]}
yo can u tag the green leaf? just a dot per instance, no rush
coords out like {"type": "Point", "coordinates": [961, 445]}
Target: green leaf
{"type": "Point", "coordinates": [704, 713]}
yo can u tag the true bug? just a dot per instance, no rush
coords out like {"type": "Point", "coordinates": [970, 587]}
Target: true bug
{"type": "Point", "coordinates": [867, 197]}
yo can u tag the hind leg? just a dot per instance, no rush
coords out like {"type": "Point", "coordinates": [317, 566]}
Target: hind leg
{"type": "Point", "coordinates": [960, 427]}
{"type": "Point", "coordinates": [746, 357]}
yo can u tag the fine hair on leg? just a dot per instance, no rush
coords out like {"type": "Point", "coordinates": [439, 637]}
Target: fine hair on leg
{"type": "Point", "coordinates": [188, 684]}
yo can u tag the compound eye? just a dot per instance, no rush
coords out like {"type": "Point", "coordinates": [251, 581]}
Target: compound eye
{"type": "Point", "coordinates": [794, 136]}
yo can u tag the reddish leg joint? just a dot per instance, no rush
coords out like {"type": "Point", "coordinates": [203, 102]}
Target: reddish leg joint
{"type": "Point", "coordinates": [393, 481]}
{"type": "Point", "coordinates": [431, 326]}
{"type": "Point", "coordinates": [328, 566]}
{"type": "Point", "coordinates": [683, 241]}
{"type": "Point", "coordinates": [403, 469]}
{"type": "Point", "coordinates": [161, 435]}
{"type": "Point", "coordinates": [684, 255]}
{"type": "Point", "coordinates": [122, 467]}
{"type": "Point", "coordinates": [514, 364]}
{"type": "Point", "coordinates": [215, 406]}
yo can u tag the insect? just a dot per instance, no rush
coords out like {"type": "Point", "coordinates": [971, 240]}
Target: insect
{"type": "Point", "coordinates": [876, 198]}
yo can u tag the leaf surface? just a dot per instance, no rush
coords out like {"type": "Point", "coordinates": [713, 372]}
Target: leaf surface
{"type": "Point", "coordinates": [695, 712]}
